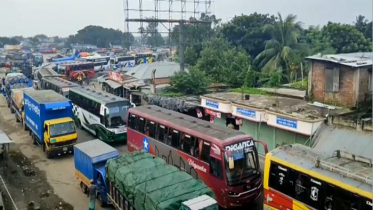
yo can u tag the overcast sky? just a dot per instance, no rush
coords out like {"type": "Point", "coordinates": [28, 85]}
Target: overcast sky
{"type": "Point", "coordinates": [66, 17]}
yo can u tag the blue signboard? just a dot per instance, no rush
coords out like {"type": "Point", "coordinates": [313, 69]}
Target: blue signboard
{"type": "Point", "coordinates": [145, 144]}
{"type": "Point", "coordinates": [287, 122]}
{"type": "Point", "coordinates": [212, 104]}
{"type": "Point", "coordinates": [246, 112]}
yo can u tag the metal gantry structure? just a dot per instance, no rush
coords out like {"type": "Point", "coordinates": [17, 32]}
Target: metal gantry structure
{"type": "Point", "coordinates": [188, 9]}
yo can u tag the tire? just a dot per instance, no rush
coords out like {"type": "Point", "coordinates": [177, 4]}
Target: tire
{"type": "Point", "coordinates": [8, 104]}
{"type": "Point", "coordinates": [34, 139]}
{"type": "Point", "coordinates": [49, 155]}
{"type": "Point", "coordinates": [17, 120]}
{"type": "Point", "coordinates": [100, 200]}
{"type": "Point", "coordinates": [12, 110]}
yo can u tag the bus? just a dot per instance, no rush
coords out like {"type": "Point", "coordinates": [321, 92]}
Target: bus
{"type": "Point", "coordinates": [57, 84]}
{"type": "Point", "coordinates": [123, 60]}
{"type": "Point", "coordinates": [98, 61]}
{"type": "Point", "coordinates": [225, 159]}
{"type": "Point", "coordinates": [101, 113]}
{"type": "Point", "coordinates": [73, 69]}
{"type": "Point", "coordinates": [298, 177]}
{"type": "Point", "coordinates": [46, 71]}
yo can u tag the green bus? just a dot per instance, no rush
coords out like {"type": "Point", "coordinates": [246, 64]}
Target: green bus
{"type": "Point", "coordinates": [102, 114]}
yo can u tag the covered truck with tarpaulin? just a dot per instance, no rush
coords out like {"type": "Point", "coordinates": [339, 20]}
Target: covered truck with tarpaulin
{"type": "Point", "coordinates": [15, 81]}
{"type": "Point", "coordinates": [142, 181]}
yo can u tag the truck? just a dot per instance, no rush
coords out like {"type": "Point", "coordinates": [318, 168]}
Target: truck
{"type": "Point", "coordinates": [14, 81]}
{"type": "Point", "coordinates": [17, 105]}
{"type": "Point", "coordinates": [138, 180]}
{"type": "Point", "coordinates": [49, 119]}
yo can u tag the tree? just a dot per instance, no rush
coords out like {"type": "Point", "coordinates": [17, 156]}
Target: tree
{"type": "Point", "coordinates": [8, 41]}
{"type": "Point", "coordinates": [101, 37]}
{"type": "Point", "coordinates": [151, 35]}
{"type": "Point", "coordinates": [193, 82]}
{"type": "Point", "coordinates": [317, 44]}
{"type": "Point", "coordinates": [247, 31]}
{"type": "Point", "coordinates": [40, 36]}
{"type": "Point", "coordinates": [191, 56]}
{"type": "Point", "coordinates": [223, 62]}
{"type": "Point", "coordinates": [345, 38]}
{"type": "Point", "coordinates": [285, 35]}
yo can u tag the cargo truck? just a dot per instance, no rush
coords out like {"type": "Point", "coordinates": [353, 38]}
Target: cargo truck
{"type": "Point", "coordinates": [17, 104]}
{"type": "Point", "coordinates": [14, 81]}
{"type": "Point", "coordinates": [138, 180]}
{"type": "Point", "coordinates": [49, 117]}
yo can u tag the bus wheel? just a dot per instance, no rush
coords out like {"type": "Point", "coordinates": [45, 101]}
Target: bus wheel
{"type": "Point", "coordinates": [83, 187]}
{"type": "Point", "coordinates": [100, 200]}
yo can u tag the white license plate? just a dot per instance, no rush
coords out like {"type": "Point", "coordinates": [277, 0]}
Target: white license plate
{"type": "Point", "coordinates": [65, 149]}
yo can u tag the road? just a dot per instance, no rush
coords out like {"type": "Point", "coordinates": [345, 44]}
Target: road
{"type": "Point", "coordinates": [59, 171]}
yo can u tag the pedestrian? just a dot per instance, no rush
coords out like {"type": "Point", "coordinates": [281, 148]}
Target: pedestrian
{"type": "Point", "coordinates": [92, 195]}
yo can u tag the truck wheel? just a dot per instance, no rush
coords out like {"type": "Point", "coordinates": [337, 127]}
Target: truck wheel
{"type": "Point", "coordinates": [49, 155]}
{"type": "Point", "coordinates": [17, 120]}
{"type": "Point", "coordinates": [8, 104]}
{"type": "Point", "coordinates": [11, 110]}
{"type": "Point", "coordinates": [33, 137]}
{"type": "Point", "coordinates": [100, 200]}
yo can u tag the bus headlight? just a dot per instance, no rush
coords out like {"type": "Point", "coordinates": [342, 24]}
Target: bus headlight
{"type": "Point", "coordinates": [232, 193]}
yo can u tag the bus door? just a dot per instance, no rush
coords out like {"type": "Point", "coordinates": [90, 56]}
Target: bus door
{"type": "Point", "coordinates": [216, 166]}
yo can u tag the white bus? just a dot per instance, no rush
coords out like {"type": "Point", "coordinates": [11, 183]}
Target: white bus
{"type": "Point", "coordinates": [99, 62]}
{"type": "Point", "coordinates": [101, 113]}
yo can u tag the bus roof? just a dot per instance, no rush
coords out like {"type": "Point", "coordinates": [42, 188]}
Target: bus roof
{"type": "Point", "coordinates": [46, 96]}
{"type": "Point", "coordinates": [95, 57]}
{"type": "Point", "coordinates": [60, 82]}
{"type": "Point", "coordinates": [75, 63]}
{"type": "Point", "coordinates": [48, 72]}
{"type": "Point", "coordinates": [342, 169]}
{"type": "Point", "coordinates": [216, 134]}
{"type": "Point", "coordinates": [97, 95]}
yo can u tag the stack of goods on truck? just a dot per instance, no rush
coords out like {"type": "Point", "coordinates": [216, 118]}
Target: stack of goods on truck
{"type": "Point", "coordinates": [17, 104]}
{"type": "Point", "coordinates": [147, 182]}
{"type": "Point", "coordinates": [14, 81]}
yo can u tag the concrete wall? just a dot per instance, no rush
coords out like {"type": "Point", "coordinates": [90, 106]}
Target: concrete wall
{"type": "Point", "coordinates": [346, 94]}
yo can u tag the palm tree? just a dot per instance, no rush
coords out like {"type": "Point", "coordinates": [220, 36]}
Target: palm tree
{"type": "Point", "coordinates": [285, 36]}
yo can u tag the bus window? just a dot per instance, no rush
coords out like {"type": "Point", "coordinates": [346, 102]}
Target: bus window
{"type": "Point", "coordinates": [301, 188]}
{"type": "Point", "coordinates": [282, 179]}
{"type": "Point", "coordinates": [341, 199]}
{"type": "Point", "coordinates": [216, 168]}
{"type": "Point", "coordinates": [132, 121]}
{"type": "Point", "coordinates": [175, 139]}
{"type": "Point", "coordinates": [187, 144]}
{"type": "Point", "coordinates": [150, 125]}
{"type": "Point", "coordinates": [141, 125]}
{"type": "Point", "coordinates": [205, 151]}
{"type": "Point", "coordinates": [316, 195]}
{"type": "Point", "coordinates": [162, 133]}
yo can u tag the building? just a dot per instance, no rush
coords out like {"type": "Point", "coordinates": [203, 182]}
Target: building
{"type": "Point", "coordinates": [274, 120]}
{"type": "Point", "coordinates": [343, 79]}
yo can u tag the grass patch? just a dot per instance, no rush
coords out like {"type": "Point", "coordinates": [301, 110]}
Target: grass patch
{"type": "Point", "coordinates": [252, 91]}
{"type": "Point", "coordinates": [300, 84]}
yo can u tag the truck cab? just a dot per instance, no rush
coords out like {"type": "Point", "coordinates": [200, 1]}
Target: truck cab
{"type": "Point", "coordinates": [60, 135]}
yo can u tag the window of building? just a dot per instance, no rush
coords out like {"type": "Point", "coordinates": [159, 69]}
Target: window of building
{"type": "Point", "coordinates": [332, 80]}
{"type": "Point", "coordinates": [205, 151]}
{"type": "Point", "coordinates": [216, 168]}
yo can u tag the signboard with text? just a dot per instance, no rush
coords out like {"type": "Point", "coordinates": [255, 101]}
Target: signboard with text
{"type": "Point", "coordinates": [287, 122]}
{"type": "Point", "coordinates": [246, 112]}
{"type": "Point", "coordinates": [212, 104]}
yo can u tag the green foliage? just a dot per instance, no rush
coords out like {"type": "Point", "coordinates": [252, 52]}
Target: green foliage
{"type": "Point", "coordinates": [8, 41]}
{"type": "Point", "coordinates": [168, 93]}
{"type": "Point", "coordinates": [316, 42]}
{"type": "Point", "coordinates": [345, 38]}
{"type": "Point", "coordinates": [275, 78]}
{"type": "Point", "coordinates": [285, 35]}
{"type": "Point", "coordinates": [246, 31]}
{"type": "Point", "coordinates": [364, 26]}
{"type": "Point", "coordinates": [248, 90]}
{"type": "Point", "coordinates": [194, 82]}
{"type": "Point", "coordinates": [150, 35]}
{"type": "Point", "coordinates": [302, 84]}
{"type": "Point", "coordinates": [224, 63]}
{"type": "Point", "coordinates": [101, 37]}
{"type": "Point", "coordinates": [191, 56]}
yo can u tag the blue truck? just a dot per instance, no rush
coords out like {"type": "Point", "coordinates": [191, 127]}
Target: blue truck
{"type": "Point", "coordinates": [49, 118]}
{"type": "Point", "coordinates": [126, 182]}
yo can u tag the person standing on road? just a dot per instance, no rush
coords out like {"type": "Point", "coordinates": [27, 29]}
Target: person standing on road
{"type": "Point", "coordinates": [92, 195]}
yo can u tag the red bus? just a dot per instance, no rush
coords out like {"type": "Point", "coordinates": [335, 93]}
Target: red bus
{"type": "Point", "coordinates": [73, 69]}
{"type": "Point", "coordinates": [225, 159]}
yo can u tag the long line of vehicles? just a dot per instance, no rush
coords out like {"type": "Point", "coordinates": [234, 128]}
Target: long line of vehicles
{"type": "Point", "coordinates": [226, 160]}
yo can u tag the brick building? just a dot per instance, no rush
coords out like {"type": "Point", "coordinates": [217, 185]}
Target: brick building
{"type": "Point", "coordinates": [343, 79]}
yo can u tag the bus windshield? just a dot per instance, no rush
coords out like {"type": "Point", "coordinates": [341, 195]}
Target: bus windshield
{"type": "Point", "coordinates": [117, 115]}
{"type": "Point", "coordinates": [245, 163]}
{"type": "Point", "coordinates": [61, 129]}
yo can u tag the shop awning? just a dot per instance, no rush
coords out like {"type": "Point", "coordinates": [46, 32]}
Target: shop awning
{"type": "Point", "coordinates": [113, 84]}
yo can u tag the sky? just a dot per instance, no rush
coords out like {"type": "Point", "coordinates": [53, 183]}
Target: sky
{"type": "Point", "coordinates": [65, 17]}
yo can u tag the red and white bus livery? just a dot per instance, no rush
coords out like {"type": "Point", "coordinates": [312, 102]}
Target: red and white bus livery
{"type": "Point", "coordinates": [73, 69]}
{"type": "Point", "coordinates": [225, 159]}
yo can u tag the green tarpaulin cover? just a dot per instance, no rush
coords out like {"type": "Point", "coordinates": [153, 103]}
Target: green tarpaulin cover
{"type": "Point", "coordinates": [149, 183]}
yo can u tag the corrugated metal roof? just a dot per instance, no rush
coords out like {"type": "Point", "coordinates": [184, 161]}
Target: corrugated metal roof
{"type": "Point", "coordinates": [113, 84]}
{"type": "Point", "coordinates": [348, 59]}
{"type": "Point", "coordinates": [329, 139]}
{"type": "Point", "coordinates": [97, 150]}
{"type": "Point", "coordinates": [144, 71]}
